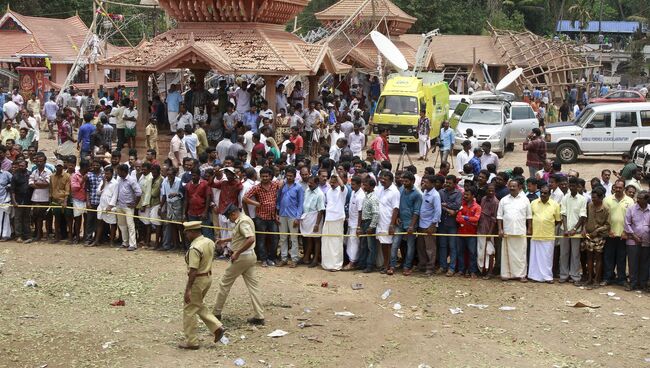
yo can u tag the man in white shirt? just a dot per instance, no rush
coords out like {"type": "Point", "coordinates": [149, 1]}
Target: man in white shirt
{"type": "Point", "coordinates": [312, 120]}
{"type": "Point", "coordinates": [573, 210]}
{"type": "Point", "coordinates": [223, 147]}
{"type": "Point", "coordinates": [347, 127]}
{"type": "Point", "coordinates": [185, 118]}
{"type": "Point", "coordinates": [191, 142]}
{"type": "Point", "coordinates": [335, 150]}
{"type": "Point", "coordinates": [177, 149]}
{"type": "Point", "coordinates": [17, 98]}
{"type": "Point", "coordinates": [605, 175]}
{"type": "Point", "coordinates": [388, 196]}
{"type": "Point", "coordinates": [357, 141]}
{"type": "Point", "coordinates": [335, 134]}
{"type": "Point", "coordinates": [10, 110]}
{"type": "Point", "coordinates": [488, 156]}
{"type": "Point", "coordinates": [354, 217]}
{"type": "Point", "coordinates": [332, 246]}
{"type": "Point", "coordinates": [281, 101]}
{"type": "Point", "coordinates": [242, 98]}
{"type": "Point", "coordinates": [514, 219]}
{"type": "Point", "coordinates": [464, 156]}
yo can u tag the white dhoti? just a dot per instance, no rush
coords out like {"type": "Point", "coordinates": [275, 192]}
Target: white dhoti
{"type": "Point", "coordinates": [424, 144]}
{"type": "Point", "coordinates": [513, 257]}
{"type": "Point", "coordinates": [307, 223]}
{"type": "Point", "coordinates": [5, 222]}
{"type": "Point", "coordinates": [382, 228]}
{"type": "Point", "coordinates": [109, 218]}
{"type": "Point", "coordinates": [172, 116]}
{"type": "Point", "coordinates": [332, 246]}
{"type": "Point", "coordinates": [353, 244]}
{"type": "Point", "coordinates": [484, 250]}
{"type": "Point", "coordinates": [541, 260]}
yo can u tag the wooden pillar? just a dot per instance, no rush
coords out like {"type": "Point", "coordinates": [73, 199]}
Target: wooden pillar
{"type": "Point", "coordinates": [313, 88]}
{"type": "Point", "coordinates": [270, 97]}
{"type": "Point", "coordinates": [122, 75]}
{"type": "Point", "coordinates": [143, 112]}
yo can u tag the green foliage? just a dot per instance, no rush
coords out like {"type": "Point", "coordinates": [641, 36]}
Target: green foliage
{"type": "Point", "coordinates": [306, 20]}
{"type": "Point", "coordinates": [143, 24]}
{"type": "Point", "coordinates": [450, 16]}
{"type": "Point", "coordinates": [515, 21]}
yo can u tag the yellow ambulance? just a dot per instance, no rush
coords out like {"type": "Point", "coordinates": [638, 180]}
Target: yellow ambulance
{"type": "Point", "coordinates": [398, 108]}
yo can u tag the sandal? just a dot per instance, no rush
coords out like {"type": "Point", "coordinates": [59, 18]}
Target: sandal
{"type": "Point", "coordinates": [390, 271]}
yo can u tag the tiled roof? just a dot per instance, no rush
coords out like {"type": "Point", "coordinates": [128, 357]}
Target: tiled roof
{"type": "Point", "coordinates": [59, 38]}
{"type": "Point", "coordinates": [365, 54]}
{"type": "Point", "coordinates": [229, 48]}
{"type": "Point", "coordinates": [458, 49]}
{"type": "Point", "coordinates": [344, 8]}
{"type": "Point", "coordinates": [32, 48]}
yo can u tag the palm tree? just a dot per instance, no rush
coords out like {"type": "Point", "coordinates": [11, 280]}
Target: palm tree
{"type": "Point", "coordinates": [581, 12]}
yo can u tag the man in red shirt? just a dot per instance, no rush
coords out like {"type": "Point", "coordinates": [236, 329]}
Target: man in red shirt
{"type": "Point", "coordinates": [197, 200]}
{"type": "Point", "coordinates": [467, 219]}
{"type": "Point", "coordinates": [258, 149]}
{"type": "Point", "coordinates": [264, 197]}
{"type": "Point", "coordinates": [295, 139]}
{"type": "Point", "coordinates": [230, 188]}
{"type": "Point", "coordinates": [536, 151]}
{"type": "Point", "coordinates": [380, 145]}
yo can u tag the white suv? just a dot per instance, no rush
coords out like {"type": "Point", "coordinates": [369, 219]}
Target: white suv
{"type": "Point", "coordinates": [499, 122]}
{"type": "Point", "coordinates": [605, 129]}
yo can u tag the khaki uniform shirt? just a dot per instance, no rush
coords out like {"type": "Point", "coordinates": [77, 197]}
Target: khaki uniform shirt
{"type": "Point", "coordinates": [244, 228]}
{"type": "Point", "coordinates": [60, 187]}
{"type": "Point", "coordinates": [200, 254]}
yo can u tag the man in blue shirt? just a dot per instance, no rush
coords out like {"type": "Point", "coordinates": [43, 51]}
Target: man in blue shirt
{"type": "Point", "coordinates": [446, 140]}
{"type": "Point", "coordinates": [410, 201]}
{"type": "Point", "coordinates": [290, 201]}
{"type": "Point", "coordinates": [430, 212]}
{"type": "Point", "coordinates": [450, 203]}
{"type": "Point", "coordinates": [3, 99]}
{"type": "Point", "coordinates": [604, 89]}
{"type": "Point", "coordinates": [83, 137]}
{"type": "Point", "coordinates": [174, 99]}
{"type": "Point", "coordinates": [251, 119]}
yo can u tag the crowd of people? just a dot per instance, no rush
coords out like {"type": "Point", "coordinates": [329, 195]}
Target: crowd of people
{"type": "Point", "coordinates": [320, 195]}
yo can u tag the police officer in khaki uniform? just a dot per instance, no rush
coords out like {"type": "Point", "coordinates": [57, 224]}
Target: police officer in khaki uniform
{"type": "Point", "coordinates": [199, 278]}
{"type": "Point", "coordinates": [242, 264]}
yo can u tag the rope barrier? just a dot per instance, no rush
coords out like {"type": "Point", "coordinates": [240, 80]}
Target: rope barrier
{"type": "Point", "coordinates": [577, 236]}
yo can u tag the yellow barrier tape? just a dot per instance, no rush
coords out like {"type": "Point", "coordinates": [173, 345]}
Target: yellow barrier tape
{"type": "Point", "coordinates": [578, 236]}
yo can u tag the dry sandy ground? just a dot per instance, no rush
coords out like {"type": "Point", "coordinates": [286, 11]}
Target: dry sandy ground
{"type": "Point", "coordinates": [67, 321]}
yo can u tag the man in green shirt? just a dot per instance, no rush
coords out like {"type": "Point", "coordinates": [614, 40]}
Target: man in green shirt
{"type": "Point", "coordinates": [629, 167]}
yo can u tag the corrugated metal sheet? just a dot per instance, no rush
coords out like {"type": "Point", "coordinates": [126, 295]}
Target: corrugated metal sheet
{"type": "Point", "coordinates": [592, 27]}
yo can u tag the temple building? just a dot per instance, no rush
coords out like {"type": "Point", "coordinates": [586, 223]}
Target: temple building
{"type": "Point", "coordinates": [58, 41]}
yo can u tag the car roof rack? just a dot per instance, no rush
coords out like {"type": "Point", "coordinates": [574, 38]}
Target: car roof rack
{"type": "Point", "coordinates": [487, 96]}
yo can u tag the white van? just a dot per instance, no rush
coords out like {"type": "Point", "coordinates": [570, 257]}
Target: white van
{"type": "Point", "coordinates": [601, 129]}
{"type": "Point", "coordinates": [501, 123]}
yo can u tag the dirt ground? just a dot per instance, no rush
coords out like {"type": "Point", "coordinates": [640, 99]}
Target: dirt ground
{"type": "Point", "coordinates": [67, 320]}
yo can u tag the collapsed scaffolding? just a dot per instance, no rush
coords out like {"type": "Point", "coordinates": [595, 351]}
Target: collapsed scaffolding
{"type": "Point", "coordinates": [546, 63]}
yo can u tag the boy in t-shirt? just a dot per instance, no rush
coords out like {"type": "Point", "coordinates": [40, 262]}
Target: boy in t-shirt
{"type": "Point", "coordinates": [151, 135]}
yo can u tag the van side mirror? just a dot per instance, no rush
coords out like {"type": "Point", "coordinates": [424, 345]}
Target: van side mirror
{"type": "Point", "coordinates": [590, 126]}
{"type": "Point", "coordinates": [508, 120]}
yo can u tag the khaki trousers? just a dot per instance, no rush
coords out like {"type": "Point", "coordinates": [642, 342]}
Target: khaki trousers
{"type": "Point", "coordinates": [196, 306]}
{"type": "Point", "coordinates": [244, 266]}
